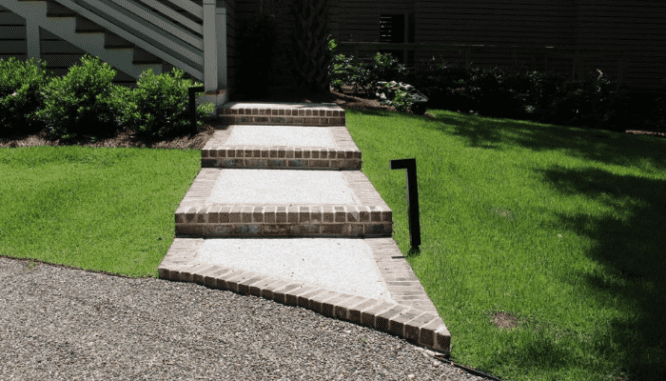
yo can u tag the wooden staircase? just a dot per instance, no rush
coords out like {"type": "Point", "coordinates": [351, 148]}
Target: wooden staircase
{"type": "Point", "coordinates": [132, 37]}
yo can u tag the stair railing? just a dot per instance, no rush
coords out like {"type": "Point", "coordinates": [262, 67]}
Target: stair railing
{"type": "Point", "coordinates": [159, 36]}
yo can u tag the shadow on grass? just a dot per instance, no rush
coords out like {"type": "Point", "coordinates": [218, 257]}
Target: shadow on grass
{"type": "Point", "coordinates": [628, 242]}
{"type": "Point", "coordinates": [598, 145]}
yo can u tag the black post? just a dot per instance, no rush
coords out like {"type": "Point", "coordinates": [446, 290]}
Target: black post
{"type": "Point", "coordinates": [191, 92]}
{"type": "Point", "coordinates": [412, 199]}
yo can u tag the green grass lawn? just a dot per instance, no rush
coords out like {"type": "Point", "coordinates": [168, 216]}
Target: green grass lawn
{"type": "Point", "coordinates": [558, 227]}
{"type": "Point", "coordinates": [103, 209]}
{"type": "Point", "coordinates": [561, 228]}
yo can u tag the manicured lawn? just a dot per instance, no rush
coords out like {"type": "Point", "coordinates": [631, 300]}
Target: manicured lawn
{"type": "Point", "coordinates": [559, 227]}
{"type": "Point", "coordinates": [104, 209]}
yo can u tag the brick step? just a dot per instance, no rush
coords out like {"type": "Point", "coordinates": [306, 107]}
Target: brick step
{"type": "Point", "coordinates": [285, 203]}
{"type": "Point", "coordinates": [282, 147]}
{"type": "Point", "coordinates": [287, 114]}
{"type": "Point", "coordinates": [363, 281]}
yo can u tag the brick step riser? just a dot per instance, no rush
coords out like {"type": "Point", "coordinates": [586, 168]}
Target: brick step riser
{"type": "Point", "coordinates": [281, 164]}
{"type": "Point", "coordinates": [284, 221]}
{"type": "Point", "coordinates": [225, 119]}
{"type": "Point", "coordinates": [282, 114]}
{"type": "Point", "coordinates": [283, 231]}
{"type": "Point", "coordinates": [280, 157]}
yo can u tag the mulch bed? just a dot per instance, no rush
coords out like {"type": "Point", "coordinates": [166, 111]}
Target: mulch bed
{"type": "Point", "coordinates": [126, 138]}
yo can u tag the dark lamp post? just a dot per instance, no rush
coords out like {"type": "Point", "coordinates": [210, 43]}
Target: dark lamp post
{"type": "Point", "coordinates": [412, 199]}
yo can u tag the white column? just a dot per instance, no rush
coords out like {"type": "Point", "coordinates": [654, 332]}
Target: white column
{"type": "Point", "coordinates": [221, 29]}
{"type": "Point", "coordinates": [210, 46]}
{"type": "Point", "coordinates": [32, 40]}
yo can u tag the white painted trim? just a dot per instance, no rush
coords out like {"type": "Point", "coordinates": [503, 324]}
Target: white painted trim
{"type": "Point", "coordinates": [210, 43]}
{"type": "Point", "coordinates": [33, 40]}
{"type": "Point", "coordinates": [196, 57]}
{"type": "Point", "coordinates": [150, 16]}
{"type": "Point", "coordinates": [175, 15]}
{"type": "Point", "coordinates": [221, 47]}
{"type": "Point", "coordinates": [189, 6]}
{"type": "Point", "coordinates": [92, 43]}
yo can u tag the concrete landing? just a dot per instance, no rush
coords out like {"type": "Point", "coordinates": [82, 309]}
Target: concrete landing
{"type": "Point", "coordinates": [286, 203]}
{"type": "Point", "coordinates": [282, 147]}
{"type": "Point", "coordinates": [364, 281]}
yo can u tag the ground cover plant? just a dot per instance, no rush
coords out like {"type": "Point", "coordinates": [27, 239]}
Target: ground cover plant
{"type": "Point", "coordinates": [551, 232]}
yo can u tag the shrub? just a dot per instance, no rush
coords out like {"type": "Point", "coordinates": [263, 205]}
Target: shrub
{"type": "Point", "coordinates": [402, 96]}
{"type": "Point", "coordinates": [656, 120]}
{"type": "Point", "coordinates": [79, 104]}
{"type": "Point", "coordinates": [158, 107]}
{"type": "Point", "coordinates": [494, 92]}
{"type": "Point", "coordinates": [590, 103]}
{"type": "Point", "coordinates": [498, 92]}
{"type": "Point", "coordinates": [445, 85]}
{"type": "Point", "coordinates": [385, 67]}
{"type": "Point", "coordinates": [20, 84]}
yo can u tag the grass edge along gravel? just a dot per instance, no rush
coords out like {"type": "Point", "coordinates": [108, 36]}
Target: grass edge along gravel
{"type": "Point", "coordinates": [545, 229]}
{"type": "Point", "coordinates": [516, 219]}
{"type": "Point", "coordinates": [100, 209]}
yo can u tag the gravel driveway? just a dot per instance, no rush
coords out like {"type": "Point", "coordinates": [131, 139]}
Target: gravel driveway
{"type": "Point", "coordinates": [59, 323]}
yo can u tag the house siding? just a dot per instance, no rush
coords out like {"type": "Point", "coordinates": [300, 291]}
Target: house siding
{"type": "Point", "coordinates": [637, 27]}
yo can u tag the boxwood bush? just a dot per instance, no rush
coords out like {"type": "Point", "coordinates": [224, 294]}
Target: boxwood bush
{"type": "Point", "coordinates": [81, 102]}
{"type": "Point", "coordinates": [20, 84]}
{"type": "Point", "coordinates": [85, 102]}
{"type": "Point", "coordinates": [158, 107]}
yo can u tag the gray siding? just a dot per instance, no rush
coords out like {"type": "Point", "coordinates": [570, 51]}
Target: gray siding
{"type": "Point", "coordinates": [637, 27]}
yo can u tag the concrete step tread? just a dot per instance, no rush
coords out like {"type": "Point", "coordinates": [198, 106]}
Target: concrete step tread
{"type": "Point", "coordinates": [282, 203]}
{"type": "Point", "coordinates": [321, 275]}
{"type": "Point", "coordinates": [280, 147]}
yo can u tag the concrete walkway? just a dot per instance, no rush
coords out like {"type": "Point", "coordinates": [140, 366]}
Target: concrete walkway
{"type": "Point", "coordinates": [281, 210]}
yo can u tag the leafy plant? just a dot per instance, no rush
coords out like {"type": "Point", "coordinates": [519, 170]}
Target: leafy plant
{"type": "Point", "coordinates": [493, 92]}
{"type": "Point", "coordinates": [80, 103]}
{"type": "Point", "coordinates": [158, 107]}
{"type": "Point", "coordinates": [385, 67]}
{"type": "Point", "coordinates": [402, 96]}
{"type": "Point", "coordinates": [20, 83]}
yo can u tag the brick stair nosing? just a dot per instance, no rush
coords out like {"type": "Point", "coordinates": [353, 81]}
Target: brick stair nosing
{"type": "Point", "coordinates": [424, 328]}
{"type": "Point", "coordinates": [344, 156]}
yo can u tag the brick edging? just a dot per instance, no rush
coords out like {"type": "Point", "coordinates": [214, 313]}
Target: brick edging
{"type": "Point", "coordinates": [285, 114]}
{"type": "Point", "coordinates": [345, 155]}
{"type": "Point", "coordinates": [412, 324]}
{"type": "Point", "coordinates": [283, 221]}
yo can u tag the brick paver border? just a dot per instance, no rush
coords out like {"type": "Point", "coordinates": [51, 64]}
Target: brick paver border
{"type": "Point", "coordinates": [371, 218]}
{"type": "Point", "coordinates": [412, 316]}
{"type": "Point", "coordinates": [344, 156]}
